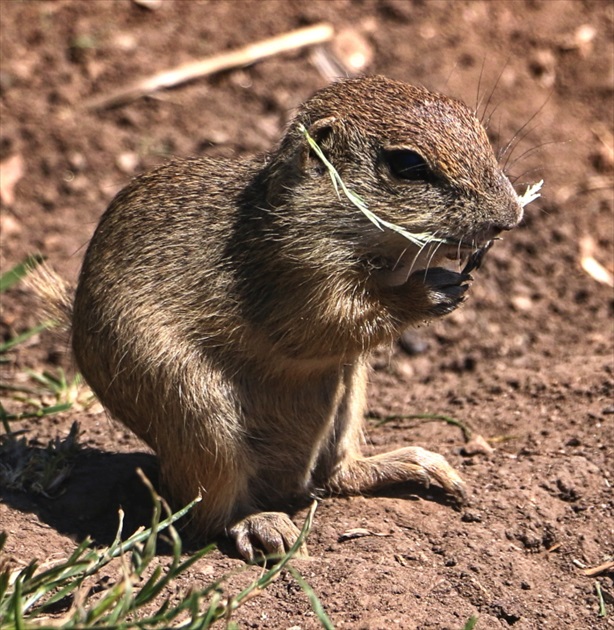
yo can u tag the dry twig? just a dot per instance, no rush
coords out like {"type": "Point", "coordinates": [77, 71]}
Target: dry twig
{"type": "Point", "coordinates": [598, 570]}
{"type": "Point", "coordinates": [245, 56]}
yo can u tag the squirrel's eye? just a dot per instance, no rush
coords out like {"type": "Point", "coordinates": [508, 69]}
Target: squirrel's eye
{"type": "Point", "coordinates": [408, 164]}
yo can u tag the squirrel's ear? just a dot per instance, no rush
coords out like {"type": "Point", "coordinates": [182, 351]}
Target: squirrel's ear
{"type": "Point", "coordinates": [321, 131]}
{"type": "Point", "coordinates": [285, 172]}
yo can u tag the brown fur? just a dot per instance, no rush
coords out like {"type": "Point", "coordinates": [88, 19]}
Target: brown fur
{"type": "Point", "coordinates": [226, 310]}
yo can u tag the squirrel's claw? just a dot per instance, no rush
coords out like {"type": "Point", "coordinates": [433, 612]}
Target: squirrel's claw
{"type": "Point", "coordinates": [266, 533]}
{"type": "Point", "coordinates": [446, 289]}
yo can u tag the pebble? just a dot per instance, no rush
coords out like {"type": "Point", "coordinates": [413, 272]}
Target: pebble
{"type": "Point", "coordinates": [127, 162]}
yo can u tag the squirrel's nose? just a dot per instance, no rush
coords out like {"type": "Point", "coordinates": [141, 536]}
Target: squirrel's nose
{"type": "Point", "coordinates": [513, 216]}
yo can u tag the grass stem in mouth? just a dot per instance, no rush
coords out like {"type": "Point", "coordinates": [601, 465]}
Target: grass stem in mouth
{"type": "Point", "coordinates": [418, 239]}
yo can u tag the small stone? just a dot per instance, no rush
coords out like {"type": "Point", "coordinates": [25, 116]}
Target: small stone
{"type": "Point", "coordinates": [77, 161]}
{"type": "Point", "coordinates": [127, 162]}
{"type": "Point", "coordinates": [9, 226]}
{"type": "Point", "coordinates": [471, 517]}
{"type": "Point", "coordinates": [125, 41]}
{"type": "Point", "coordinates": [11, 171]}
{"type": "Point", "coordinates": [413, 343]}
{"type": "Point", "coordinates": [353, 50]}
{"type": "Point", "coordinates": [522, 303]}
{"type": "Point", "coordinates": [543, 66]}
{"type": "Point", "coordinates": [477, 445]}
{"type": "Point", "coordinates": [582, 40]}
{"type": "Point", "coordinates": [152, 5]}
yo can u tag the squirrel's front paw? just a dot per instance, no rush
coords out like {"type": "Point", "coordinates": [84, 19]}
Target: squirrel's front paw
{"type": "Point", "coordinates": [445, 289]}
{"type": "Point", "coordinates": [270, 533]}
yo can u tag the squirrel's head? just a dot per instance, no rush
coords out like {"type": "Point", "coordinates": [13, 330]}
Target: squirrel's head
{"type": "Point", "coordinates": [419, 160]}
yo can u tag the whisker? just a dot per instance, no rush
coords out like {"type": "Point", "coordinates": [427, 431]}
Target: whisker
{"type": "Point", "coordinates": [430, 260]}
{"type": "Point", "coordinates": [418, 253]}
{"type": "Point", "coordinates": [515, 179]}
{"type": "Point", "coordinates": [492, 92]}
{"type": "Point", "coordinates": [478, 98]}
{"type": "Point", "coordinates": [516, 139]}
{"type": "Point", "coordinates": [396, 264]}
{"type": "Point", "coordinates": [541, 145]}
{"type": "Point", "coordinates": [487, 122]}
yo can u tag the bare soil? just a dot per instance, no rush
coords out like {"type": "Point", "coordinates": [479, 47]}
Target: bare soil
{"type": "Point", "coordinates": [527, 362]}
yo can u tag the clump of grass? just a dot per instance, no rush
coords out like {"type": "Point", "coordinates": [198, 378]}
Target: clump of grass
{"type": "Point", "coordinates": [64, 393]}
{"type": "Point", "coordinates": [139, 598]}
{"type": "Point", "coordinates": [28, 468]}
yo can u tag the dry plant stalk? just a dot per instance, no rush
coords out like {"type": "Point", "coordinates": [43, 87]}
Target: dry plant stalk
{"type": "Point", "coordinates": [598, 570]}
{"type": "Point", "coordinates": [317, 34]}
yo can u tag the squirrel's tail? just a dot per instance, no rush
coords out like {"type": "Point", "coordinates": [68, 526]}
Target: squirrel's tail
{"type": "Point", "coordinates": [55, 295]}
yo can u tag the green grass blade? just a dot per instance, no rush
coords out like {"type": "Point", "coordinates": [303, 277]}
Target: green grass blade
{"type": "Point", "coordinates": [316, 605]}
{"type": "Point", "coordinates": [186, 564]}
{"type": "Point", "coordinates": [465, 429]}
{"type": "Point", "coordinates": [602, 609]}
{"type": "Point", "coordinates": [273, 572]}
{"type": "Point", "coordinates": [211, 615]}
{"type": "Point", "coordinates": [14, 275]}
{"type": "Point", "coordinates": [39, 413]}
{"type": "Point", "coordinates": [11, 343]}
{"type": "Point", "coordinates": [471, 623]}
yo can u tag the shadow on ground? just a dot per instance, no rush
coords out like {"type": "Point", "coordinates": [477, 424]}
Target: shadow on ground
{"type": "Point", "coordinates": [88, 503]}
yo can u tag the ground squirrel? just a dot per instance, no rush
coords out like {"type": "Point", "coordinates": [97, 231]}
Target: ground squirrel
{"type": "Point", "coordinates": [226, 309]}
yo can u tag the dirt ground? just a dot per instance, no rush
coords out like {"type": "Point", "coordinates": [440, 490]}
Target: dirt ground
{"type": "Point", "coordinates": [527, 362]}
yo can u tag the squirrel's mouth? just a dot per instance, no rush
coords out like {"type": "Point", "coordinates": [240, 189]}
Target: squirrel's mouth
{"type": "Point", "coordinates": [461, 256]}
{"type": "Point", "coordinates": [471, 256]}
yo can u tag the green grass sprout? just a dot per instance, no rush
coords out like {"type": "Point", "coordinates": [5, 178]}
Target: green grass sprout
{"type": "Point", "coordinates": [8, 280]}
{"type": "Point", "coordinates": [14, 275]}
{"type": "Point", "coordinates": [471, 623]}
{"type": "Point", "coordinates": [316, 605]}
{"type": "Point", "coordinates": [139, 598]}
{"type": "Point", "coordinates": [428, 417]}
{"type": "Point", "coordinates": [28, 594]}
{"type": "Point", "coordinates": [602, 609]}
